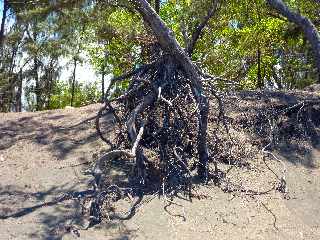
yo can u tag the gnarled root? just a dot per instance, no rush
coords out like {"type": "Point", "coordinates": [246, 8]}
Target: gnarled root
{"type": "Point", "coordinates": [172, 116]}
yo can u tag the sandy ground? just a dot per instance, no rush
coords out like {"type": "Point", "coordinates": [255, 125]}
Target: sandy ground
{"type": "Point", "coordinates": [37, 154]}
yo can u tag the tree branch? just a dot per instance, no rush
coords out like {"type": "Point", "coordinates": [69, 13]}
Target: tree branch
{"type": "Point", "coordinates": [167, 41]}
{"type": "Point", "coordinates": [198, 31]}
{"type": "Point", "coordinates": [309, 29]}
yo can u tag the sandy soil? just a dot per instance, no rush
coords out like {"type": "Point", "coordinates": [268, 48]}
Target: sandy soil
{"type": "Point", "coordinates": [37, 154]}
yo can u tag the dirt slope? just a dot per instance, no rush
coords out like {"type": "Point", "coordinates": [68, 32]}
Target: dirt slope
{"type": "Point", "coordinates": [38, 152]}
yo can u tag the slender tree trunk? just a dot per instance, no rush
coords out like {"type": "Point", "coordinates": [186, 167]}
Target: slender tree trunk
{"type": "Point", "coordinates": [309, 29]}
{"type": "Point", "coordinates": [3, 21]}
{"type": "Point", "coordinates": [170, 45]}
{"type": "Point", "coordinates": [73, 81]}
{"type": "Point", "coordinates": [19, 92]}
{"type": "Point", "coordinates": [36, 79]}
{"type": "Point", "coordinates": [103, 73]}
{"type": "Point", "coordinates": [12, 59]}
{"type": "Point", "coordinates": [259, 75]}
{"type": "Point", "coordinates": [50, 79]}
{"type": "Point", "coordinates": [157, 6]}
{"type": "Point", "coordinates": [276, 78]}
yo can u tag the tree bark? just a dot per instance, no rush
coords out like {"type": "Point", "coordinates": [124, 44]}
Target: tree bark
{"type": "Point", "coordinates": [73, 81]}
{"type": "Point", "coordinates": [3, 21]}
{"type": "Point", "coordinates": [170, 45]}
{"type": "Point", "coordinates": [276, 78]}
{"type": "Point", "coordinates": [50, 82]}
{"type": "Point", "coordinates": [157, 6]}
{"type": "Point", "coordinates": [19, 92]}
{"type": "Point", "coordinates": [309, 29]}
{"type": "Point", "coordinates": [103, 73]}
{"type": "Point", "coordinates": [259, 75]}
{"type": "Point", "coordinates": [36, 79]}
{"type": "Point", "coordinates": [168, 42]}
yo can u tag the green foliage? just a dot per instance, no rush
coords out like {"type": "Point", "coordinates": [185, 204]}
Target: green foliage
{"type": "Point", "coordinates": [84, 94]}
{"type": "Point", "coordinates": [114, 39]}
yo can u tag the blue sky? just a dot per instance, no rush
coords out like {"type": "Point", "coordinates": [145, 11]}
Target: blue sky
{"type": "Point", "coordinates": [85, 73]}
{"type": "Point", "coordinates": [1, 8]}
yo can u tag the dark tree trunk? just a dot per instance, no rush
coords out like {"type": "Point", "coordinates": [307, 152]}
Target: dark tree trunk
{"type": "Point", "coordinates": [103, 74]}
{"type": "Point", "coordinates": [168, 42]}
{"type": "Point", "coordinates": [36, 79]}
{"type": "Point", "coordinates": [19, 92]}
{"type": "Point", "coordinates": [309, 29]}
{"type": "Point", "coordinates": [73, 81]}
{"type": "Point", "coordinates": [157, 6]}
{"type": "Point", "coordinates": [102, 83]}
{"type": "Point", "coordinates": [170, 45]}
{"type": "Point", "coordinates": [3, 21]}
{"type": "Point", "coordinates": [259, 75]}
{"type": "Point", "coordinates": [12, 59]}
{"type": "Point", "coordinates": [50, 84]}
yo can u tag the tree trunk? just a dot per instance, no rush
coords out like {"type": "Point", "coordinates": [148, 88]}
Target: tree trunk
{"type": "Point", "coordinates": [103, 73]}
{"type": "Point", "coordinates": [259, 75]}
{"type": "Point", "coordinates": [168, 42]}
{"type": "Point", "coordinates": [73, 81]}
{"type": "Point", "coordinates": [37, 88]}
{"type": "Point", "coordinates": [12, 59]}
{"type": "Point", "coordinates": [3, 21]}
{"type": "Point", "coordinates": [19, 92]}
{"type": "Point", "coordinates": [276, 78]}
{"type": "Point", "coordinates": [157, 6]}
{"type": "Point", "coordinates": [309, 29]}
{"type": "Point", "coordinates": [50, 83]}
{"type": "Point", "coordinates": [170, 45]}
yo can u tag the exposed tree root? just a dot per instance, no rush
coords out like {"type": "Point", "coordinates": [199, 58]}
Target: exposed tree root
{"type": "Point", "coordinates": [171, 116]}
{"type": "Point", "coordinates": [161, 124]}
{"type": "Point", "coordinates": [172, 121]}
{"type": "Point", "coordinates": [156, 131]}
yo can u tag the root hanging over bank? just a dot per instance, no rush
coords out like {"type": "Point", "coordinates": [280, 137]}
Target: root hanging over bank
{"type": "Point", "coordinates": [161, 132]}
{"type": "Point", "coordinates": [249, 144]}
{"type": "Point", "coordinates": [162, 104]}
{"type": "Point", "coordinates": [161, 128]}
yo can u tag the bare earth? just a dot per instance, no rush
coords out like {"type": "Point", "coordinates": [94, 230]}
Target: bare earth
{"type": "Point", "coordinates": [38, 157]}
